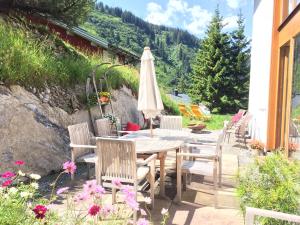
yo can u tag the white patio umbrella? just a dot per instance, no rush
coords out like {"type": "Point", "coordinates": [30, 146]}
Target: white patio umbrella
{"type": "Point", "coordinates": [149, 100]}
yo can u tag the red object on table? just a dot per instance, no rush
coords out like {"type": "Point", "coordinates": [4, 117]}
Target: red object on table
{"type": "Point", "coordinates": [132, 127]}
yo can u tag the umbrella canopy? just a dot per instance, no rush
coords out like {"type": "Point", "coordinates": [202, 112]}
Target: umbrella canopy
{"type": "Point", "coordinates": [149, 100]}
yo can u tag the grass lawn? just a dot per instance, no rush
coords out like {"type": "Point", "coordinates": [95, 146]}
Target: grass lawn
{"type": "Point", "coordinates": [216, 122]}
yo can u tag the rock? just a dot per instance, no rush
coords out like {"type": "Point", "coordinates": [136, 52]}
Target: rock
{"type": "Point", "coordinates": [33, 132]}
{"type": "Point", "coordinates": [34, 90]}
{"type": "Point", "coordinates": [47, 91]}
{"type": "Point", "coordinates": [125, 107]}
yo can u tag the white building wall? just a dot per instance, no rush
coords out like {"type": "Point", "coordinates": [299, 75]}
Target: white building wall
{"type": "Point", "coordinates": [260, 67]}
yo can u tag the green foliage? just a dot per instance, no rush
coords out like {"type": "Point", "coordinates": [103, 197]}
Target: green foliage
{"type": "Point", "coordinates": [69, 11]}
{"type": "Point", "coordinates": [270, 183]}
{"type": "Point", "coordinates": [240, 64]}
{"type": "Point", "coordinates": [220, 72]}
{"type": "Point", "coordinates": [26, 60]}
{"type": "Point", "coordinates": [172, 48]}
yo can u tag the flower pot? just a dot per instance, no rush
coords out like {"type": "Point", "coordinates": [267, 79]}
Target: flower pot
{"type": "Point", "coordinates": [104, 99]}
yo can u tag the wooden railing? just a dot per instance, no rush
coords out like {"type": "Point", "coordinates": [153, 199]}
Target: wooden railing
{"type": "Point", "coordinates": [252, 212]}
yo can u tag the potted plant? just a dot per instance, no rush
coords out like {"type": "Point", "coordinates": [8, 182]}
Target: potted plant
{"type": "Point", "coordinates": [257, 146]}
{"type": "Point", "coordinates": [293, 150]}
{"type": "Point", "coordinates": [104, 97]}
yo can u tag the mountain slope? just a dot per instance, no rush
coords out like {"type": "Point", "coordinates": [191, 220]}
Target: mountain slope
{"type": "Point", "coordinates": [173, 48]}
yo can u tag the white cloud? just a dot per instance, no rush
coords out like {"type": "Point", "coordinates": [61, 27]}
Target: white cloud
{"type": "Point", "coordinates": [199, 20]}
{"type": "Point", "coordinates": [234, 4]}
{"type": "Point", "coordinates": [194, 18]}
{"type": "Point", "coordinates": [230, 22]}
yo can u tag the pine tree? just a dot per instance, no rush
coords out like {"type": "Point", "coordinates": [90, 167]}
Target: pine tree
{"type": "Point", "coordinates": [211, 78]}
{"type": "Point", "coordinates": [240, 62]}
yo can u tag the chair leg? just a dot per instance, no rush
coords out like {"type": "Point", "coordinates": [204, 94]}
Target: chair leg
{"type": "Point", "coordinates": [184, 181]}
{"type": "Point", "coordinates": [215, 185]}
{"type": "Point", "coordinates": [88, 170]}
{"type": "Point", "coordinates": [152, 183]}
{"type": "Point", "coordinates": [135, 211]}
{"type": "Point", "coordinates": [178, 196]}
{"type": "Point", "coordinates": [113, 194]}
{"type": "Point", "coordinates": [73, 160]}
{"type": "Point", "coordinates": [220, 172]}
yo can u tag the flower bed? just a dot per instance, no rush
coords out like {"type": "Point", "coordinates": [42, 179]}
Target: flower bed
{"type": "Point", "coordinates": [20, 202]}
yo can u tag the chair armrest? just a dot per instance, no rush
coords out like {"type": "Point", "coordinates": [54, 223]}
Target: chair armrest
{"type": "Point", "coordinates": [202, 156]}
{"type": "Point", "coordinates": [201, 145]}
{"type": "Point", "coordinates": [83, 146]}
{"type": "Point", "coordinates": [147, 161]}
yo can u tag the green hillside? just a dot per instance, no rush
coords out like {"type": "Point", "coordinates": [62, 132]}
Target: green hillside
{"type": "Point", "coordinates": [173, 48]}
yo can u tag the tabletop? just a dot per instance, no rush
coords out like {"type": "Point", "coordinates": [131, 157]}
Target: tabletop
{"type": "Point", "coordinates": [162, 140]}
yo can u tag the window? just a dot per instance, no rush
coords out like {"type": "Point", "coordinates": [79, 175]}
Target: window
{"type": "Point", "coordinates": [294, 127]}
{"type": "Point", "coordinates": [287, 7]}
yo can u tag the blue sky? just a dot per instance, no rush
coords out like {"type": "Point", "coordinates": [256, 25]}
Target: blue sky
{"type": "Point", "coordinates": [191, 15]}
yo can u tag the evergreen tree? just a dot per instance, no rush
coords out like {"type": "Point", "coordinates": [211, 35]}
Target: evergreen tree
{"type": "Point", "coordinates": [240, 62]}
{"type": "Point", "coordinates": [211, 78]}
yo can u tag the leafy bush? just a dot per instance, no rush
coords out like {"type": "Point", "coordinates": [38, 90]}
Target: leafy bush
{"type": "Point", "coordinates": [270, 183]}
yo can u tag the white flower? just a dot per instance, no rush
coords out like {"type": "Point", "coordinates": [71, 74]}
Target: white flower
{"type": "Point", "coordinates": [35, 176]}
{"type": "Point", "coordinates": [21, 173]}
{"type": "Point", "coordinates": [35, 185]}
{"type": "Point", "coordinates": [13, 190]}
{"type": "Point", "coordinates": [147, 200]}
{"type": "Point", "coordinates": [164, 211]}
{"type": "Point", "coordinates": [25, 194]}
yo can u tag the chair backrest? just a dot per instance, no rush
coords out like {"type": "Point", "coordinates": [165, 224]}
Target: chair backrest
{"type": "Point", "coordinates": [243, 127]}
{"type": "Point", "coordinates": [171, 122]}
{"type": "Point", "coordinates": [116, 159]}
{"type": "Point", "coordinates": [80, 135]}
{"type": "Point", "coordinates": [252, 212]}
{"type": "Point", "coordinates": [103, 127]}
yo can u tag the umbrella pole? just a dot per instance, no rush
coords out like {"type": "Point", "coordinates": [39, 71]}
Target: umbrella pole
{"type": "Point", "coordinates": [151, 128]}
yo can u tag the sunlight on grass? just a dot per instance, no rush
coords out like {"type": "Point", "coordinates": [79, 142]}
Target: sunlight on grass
{"type": "Point", "coordinates": [215, 123]}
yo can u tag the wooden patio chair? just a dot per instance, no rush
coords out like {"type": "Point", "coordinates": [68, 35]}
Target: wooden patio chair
{"type": "Point", "coordinates": [171, 122]}
{"type": "Point", "coordinates": [103, 127]}
{"type": "Point", "coordinates": [232, 126]}
{"type": "Point", "coordinates": [117, 158]}
{"type": "Point", "coordinates": [183, 110]}
{"type": "Point", "coordinates": [80, 143]}
{"type": "Point", "coordinates": [205, 161]}
{"type": "Point", "coordinates": [252, 212]}
{"type": "Point", "coordinates": [242, 130]}
{"type": "Point", "coordinates": [198, 114]}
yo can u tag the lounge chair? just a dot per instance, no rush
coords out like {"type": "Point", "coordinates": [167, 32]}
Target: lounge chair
{"type": "Point", "coordinates": [198, 114]}
{"type": "Point", "coordinates": [183, 110]}
{"type": "Point", "coordinates": [117, 159]}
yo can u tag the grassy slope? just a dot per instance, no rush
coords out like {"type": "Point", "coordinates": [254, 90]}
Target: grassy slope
{"type": "Point", "coordinates": [107, 27]}
{"type": "Point", "coordinates": [31, 56]}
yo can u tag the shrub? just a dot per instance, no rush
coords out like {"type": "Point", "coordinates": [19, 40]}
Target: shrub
{"type": "Point", "coordinates": [270, 183]}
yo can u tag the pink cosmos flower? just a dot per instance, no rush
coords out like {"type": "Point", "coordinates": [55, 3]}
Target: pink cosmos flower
{"type": "Point", "coordinates": [100, 191]}
{"type": "Point", "coordinates": [117, 182]}
{"type": "Point", "coordinates": [69, 167]}
{"type": "Point", "coordinates": [90, 187]}
{"type": "Point", "coordinates": [128, 191]}
{"type": "Point", "coordinates": [107, 210]}
{"type": "Point", "coordinates": [62, 190]}
{"type": "Point", "coordinates": [133, 204]}
{"type": "Point", "coordinates": [81, 197]}
{"type": "Point", "coordinates": [6, 183]}
{"type": "Point", "coordinates": [143, 221]}
{"type": "Point", "coordinates": [19, 162]}
{"type": "Point", "coordinates": [94, 210]}
{"type": "Point", "coordinates": [8, 174]}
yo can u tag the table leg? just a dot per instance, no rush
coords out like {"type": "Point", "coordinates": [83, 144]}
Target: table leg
{"type": "Point", "coordinates": [162, 158]}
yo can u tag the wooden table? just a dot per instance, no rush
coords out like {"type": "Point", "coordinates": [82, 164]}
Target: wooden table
{"type": "Point", "coordinates": [163, 140]}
